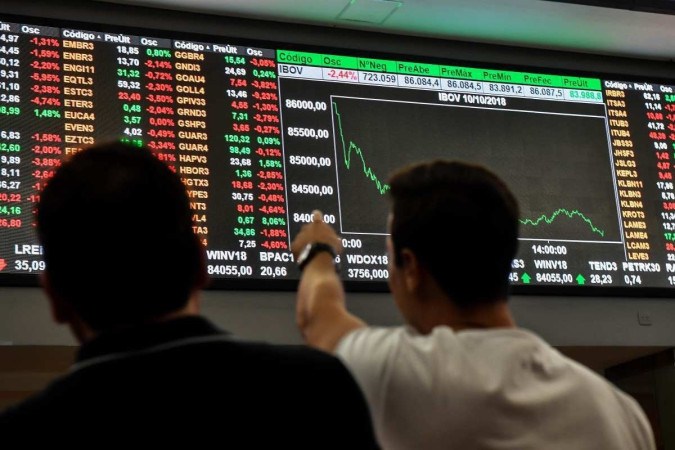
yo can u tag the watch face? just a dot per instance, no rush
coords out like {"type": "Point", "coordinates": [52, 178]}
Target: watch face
{"type": "Point", "coordinates": [304, 253]}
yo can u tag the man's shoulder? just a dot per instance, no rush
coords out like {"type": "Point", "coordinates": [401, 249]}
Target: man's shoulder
{"type": "Point", "coordinates": [37, 410]}
{"type": "Point", "coordinates": [231, 369]}
{"type": "Point", "coordinates": [373, 336]}
{"type": "Point", "coordinates": [238, 361]}
{"type": "Point", "coordinates": [288, 355]}
{"type": "Point", "coordinates": [234, 346]}
{"type": "Point", "coordinates": [400, 340]}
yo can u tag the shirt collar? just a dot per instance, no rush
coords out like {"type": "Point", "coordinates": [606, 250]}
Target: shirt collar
{"type": "Point", "coordinates": [144, 336]}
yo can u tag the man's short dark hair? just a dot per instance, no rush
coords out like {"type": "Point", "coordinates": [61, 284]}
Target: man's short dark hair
{"type": "Point", "coordinates": [461, 221]}
{"type": "Point", "coordinates": [116, 227]}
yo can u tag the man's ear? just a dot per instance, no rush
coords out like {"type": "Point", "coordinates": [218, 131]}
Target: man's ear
{"type": "Point", "coordinates": [60, 309]}
{"type": "Point", "coordinates": [202, 275]}
{"type": "Point", "coordinates": [411, 270]}
{"type": "Point", "coordinates": [64, 313]}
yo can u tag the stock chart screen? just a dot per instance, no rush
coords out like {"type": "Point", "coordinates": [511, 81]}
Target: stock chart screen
{"type": "Point", "coordinates": [261, 136]}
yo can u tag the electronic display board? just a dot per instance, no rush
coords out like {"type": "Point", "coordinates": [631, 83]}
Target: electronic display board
{"type": "Point", "coordinates": [262, 136]}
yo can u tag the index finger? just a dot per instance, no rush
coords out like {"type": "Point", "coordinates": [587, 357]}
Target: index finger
{"type": "Point", "coordinates": [317, 216]}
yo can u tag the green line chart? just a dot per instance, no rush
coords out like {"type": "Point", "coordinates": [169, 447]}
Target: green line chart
{"type": "Point", "coordinates": [571, 200]}
{"type": "Point", "coordinates": [565, 212]}
{"type": "Point", "coordinates": [347, 154]}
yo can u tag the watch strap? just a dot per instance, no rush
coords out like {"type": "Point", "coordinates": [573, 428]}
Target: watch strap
{"type": "Point", "coordinates": [315, 249]}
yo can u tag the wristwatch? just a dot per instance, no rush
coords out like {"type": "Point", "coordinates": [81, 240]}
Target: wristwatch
{"type": "Point", "coordinates": [311, 250]}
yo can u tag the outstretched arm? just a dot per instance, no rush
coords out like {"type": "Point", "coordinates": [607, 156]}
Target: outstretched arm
{"type": "Point", "coordinates": [321, 314]}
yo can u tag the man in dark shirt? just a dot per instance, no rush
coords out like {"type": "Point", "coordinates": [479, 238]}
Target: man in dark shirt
{"type": "Point", "coordinates": [123, 272]}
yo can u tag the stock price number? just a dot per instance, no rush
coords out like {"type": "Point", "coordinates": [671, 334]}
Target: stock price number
{"type": "Point", "coordinates": [242, 162]}
{"type": "Point", "coordinates": [247, 243]}
{"type": "Point", "coordinates": [311, 133]}
{"type": "Point", "coordinates": [310, 161]}
{"type": "Point", "coordinates": [239, 231]}
{"type": "Point", "coordinates": [368, 274]}
{"type": "Point", "coordinates": [124, 84]}
{"type": "Point", "coordinates": [10, 159]}
{"type": "Point", "coordinates": [560, 278]}
{"type": "Point", "coordinates": [601, 279]}
{"type": "Point", "coordinates": [464, 85]}
{"type": "Point", "coordinates": [587, 95]}
{"type": "Point", "coordinates": [307, 217]}
{"type": "Point", "coordinates": [127, 50]}
{"type": "Point", "coordinates": [10, 172]}
{"type": "Point", "coordinates": [632, 280]}
{"type": "Point", "coordinates": [505, 88]}
{"type": "Point", "coordinates": [229, 270]}
{"type": "Point", "coordinates": [24, 265]}
{"type": "Point", "coordinates": [546, 92]}
{"type": "Point", "coordinates": [273, 272]}
{"type": "Point", "coordinates": [242, 196]}
{"type": "Point", "coordinates": [306, 104]}
{"type": "Point", "coordinates": [311, 189]}
{"type": "Point", "coordinates": [4, 134]}
{"type": "Point", "coordinates": [421, 81]}
{"type": "Point", "coordinates": [10, 185]}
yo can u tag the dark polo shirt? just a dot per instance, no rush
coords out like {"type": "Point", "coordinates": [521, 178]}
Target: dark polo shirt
{"type": "Point", "coordinates": [187, 381]}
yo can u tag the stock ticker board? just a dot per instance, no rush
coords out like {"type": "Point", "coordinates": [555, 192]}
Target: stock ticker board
{"type": "Point", "coordinates": [262, 136]}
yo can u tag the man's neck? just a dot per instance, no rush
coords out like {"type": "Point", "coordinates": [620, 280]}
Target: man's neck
{"type": "Point", "coordinates": [441, 311]}
{"type": "Point", "coordinates": [83, 333]}
{"type": "Point", "coordinates": [493, 315]}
